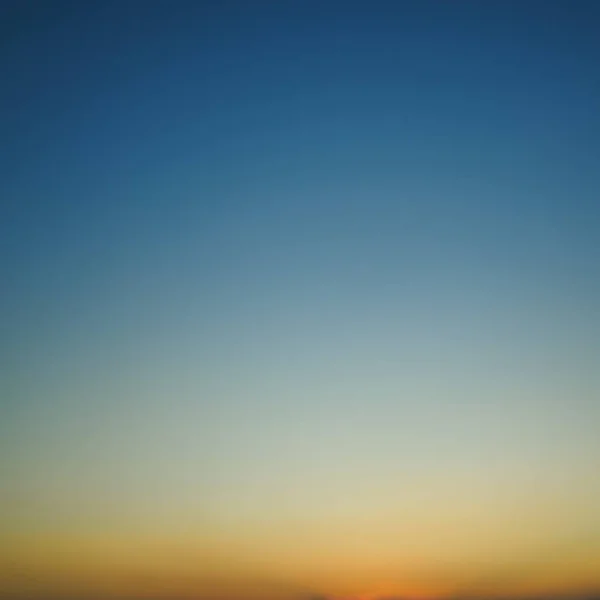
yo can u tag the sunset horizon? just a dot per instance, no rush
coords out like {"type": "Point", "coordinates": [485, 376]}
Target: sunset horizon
{"type": "Point", "coordinates": [301, 300]}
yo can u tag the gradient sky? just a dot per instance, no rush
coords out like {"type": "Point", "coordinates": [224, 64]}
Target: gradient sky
{"type": "Point", "coordinates": [300, 298]}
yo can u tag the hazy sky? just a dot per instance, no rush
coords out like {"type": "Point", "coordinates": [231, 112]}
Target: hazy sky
{"type": "Point", "coordinates": [300, 297]}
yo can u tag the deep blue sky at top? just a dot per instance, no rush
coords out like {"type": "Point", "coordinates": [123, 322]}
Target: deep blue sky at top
{"type": "Point", "coordinates": [159, 155]}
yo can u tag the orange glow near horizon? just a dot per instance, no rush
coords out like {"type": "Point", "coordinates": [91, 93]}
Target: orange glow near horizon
{"type": "Point", "coordinates": [165, 568]}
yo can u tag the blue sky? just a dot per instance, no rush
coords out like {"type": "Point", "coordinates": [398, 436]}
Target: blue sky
{"type": "Point", "coordinates": [296, 250]}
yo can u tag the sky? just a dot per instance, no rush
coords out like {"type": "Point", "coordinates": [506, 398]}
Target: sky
{"type": "Point", "coordinates": [301, 299]}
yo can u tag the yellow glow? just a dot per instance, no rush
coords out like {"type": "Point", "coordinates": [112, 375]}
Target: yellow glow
{"type": "Point", "coordinates": [162, 566]}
